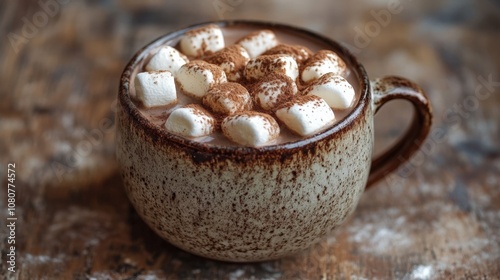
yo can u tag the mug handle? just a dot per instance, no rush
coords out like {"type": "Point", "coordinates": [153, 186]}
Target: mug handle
{"type": "Point", "coordinates": [384, 90]}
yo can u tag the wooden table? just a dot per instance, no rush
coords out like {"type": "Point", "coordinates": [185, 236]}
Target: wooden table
{"type": "Point", "coordinates": [436, 218]}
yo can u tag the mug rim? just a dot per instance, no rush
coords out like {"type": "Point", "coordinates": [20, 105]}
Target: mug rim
{"type": "Point", "coordinates": [161, 135]}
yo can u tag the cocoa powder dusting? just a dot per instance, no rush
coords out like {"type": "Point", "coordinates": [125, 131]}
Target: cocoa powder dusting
{"type": "Point", "coordinates": [198, 109]}
{"type": "Point", "coordinates": [267, 64]}
{"type": "Point", "coordinates": [280, 83]}
{"type": "Point", "coordinates": [251, 35]}
{"type": "Point", "coordinates": [203, 50]}
{"type": "Point", "coordinates": [219, 96]}
{"type": "Point", "coordinates": [301, 100]}
{"type": "Point", "coordinates": [299, 53]}
{"type": "Point", "coordinates": [231, 54]}
{"type": "Point", "coordinates": [323, 80]}
{"type": "Point", "coordinates": [324, 56]}
{"type": "Point", "coordinates": [198, 65]}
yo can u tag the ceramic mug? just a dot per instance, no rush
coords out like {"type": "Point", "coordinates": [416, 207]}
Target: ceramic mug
{"type": "Point", "coordinates": [252, 204]}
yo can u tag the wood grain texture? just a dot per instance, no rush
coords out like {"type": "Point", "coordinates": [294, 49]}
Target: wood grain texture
{"type": "Point", "coordinates": [438, 217]}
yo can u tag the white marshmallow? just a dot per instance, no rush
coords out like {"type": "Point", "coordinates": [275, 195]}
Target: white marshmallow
{"type": "Point", "coordinates": [198, 42]}
{"type": "Point", "coordinates": [335, 90]}
{"type": "Point", "coordinates": [273, 90]}
{"type": "Point", "coordinates": [258, 42]}
{"type": "Point", "coordinates": [197, 77]}
{"type": "Point", "coordinates": [266, 64]}
{"type": "Point", "coordinates": [167, 58]}
{"type": "Point", "coordinates": [155, 88]}
{"type": "Point", "coordinates": [323, 62]}
{"type": "Point", "coordinates": [250, 128]}
{"type": "Point", "coordinates": [228, 98]}
{"type": "Point", "coordinates": [306, 115]}
{"type": "Point", "coordinates": [190, 121]}
{"type": "Point", "coordinates": [232, 60]}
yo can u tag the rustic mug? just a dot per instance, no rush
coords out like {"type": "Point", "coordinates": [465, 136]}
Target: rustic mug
{"type": "Point", "coordinates": [252, 204]}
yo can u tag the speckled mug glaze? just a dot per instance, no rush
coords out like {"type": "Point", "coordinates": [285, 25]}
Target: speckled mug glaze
{"type": "Point", "coordinates": [253, 204]}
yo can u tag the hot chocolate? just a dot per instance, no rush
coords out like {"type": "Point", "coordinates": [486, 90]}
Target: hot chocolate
{"type": "Point", "coordinates": [241, 204]}
{"type": "Point", "coordinates": [255, 57]}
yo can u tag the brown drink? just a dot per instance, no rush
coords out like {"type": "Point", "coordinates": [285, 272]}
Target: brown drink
{"type": "Point", "coordinates": [159, 115]}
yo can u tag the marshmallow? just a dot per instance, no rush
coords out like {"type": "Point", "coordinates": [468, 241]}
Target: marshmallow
{"type": "Point", "coordinates": [250, 128]}
{"type": "Point", "coordinates": [155, 88]}
{"type": "Point", "coordinates": [258, 42]}
{"type": "Point", "coordinates": [228, 98]}
{"type": "Point", "coordinates": [201, 41]}
{"type": "Point", "coordinates": [232, 60]}
{"type": "Point", "coordinates": [267, 64]}
{"type": "Point", "coordinates": [335, 90]}
{"type": "Point", "coordinates": [190, 121]}
{"type": "Point", "coordinates": [167, 58]}
{"type": "Point", "coordinates": [323, 62]}
{"type": "Point", "coordinates": [298, 52]}
{"type": "Point", "coordinates": [197, 77]}
{"type": "Point", "coordinates": [273, 90]}
{"type": "Point", "coordinates": [306, 115]}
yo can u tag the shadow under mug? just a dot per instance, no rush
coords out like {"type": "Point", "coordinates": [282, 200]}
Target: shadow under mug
{"type": "Point", "coordinates": [253, 204]}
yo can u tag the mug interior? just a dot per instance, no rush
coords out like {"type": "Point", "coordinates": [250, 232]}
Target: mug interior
{"type": "Point", "coordinates": [136, 64]}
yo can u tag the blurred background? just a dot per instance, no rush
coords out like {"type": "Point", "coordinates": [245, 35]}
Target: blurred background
{"type": "Point", "coordinates": [438, 217]}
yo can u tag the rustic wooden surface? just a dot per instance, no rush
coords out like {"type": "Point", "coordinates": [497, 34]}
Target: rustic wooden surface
{"type": "Point", "coordinates": [436, 218]}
